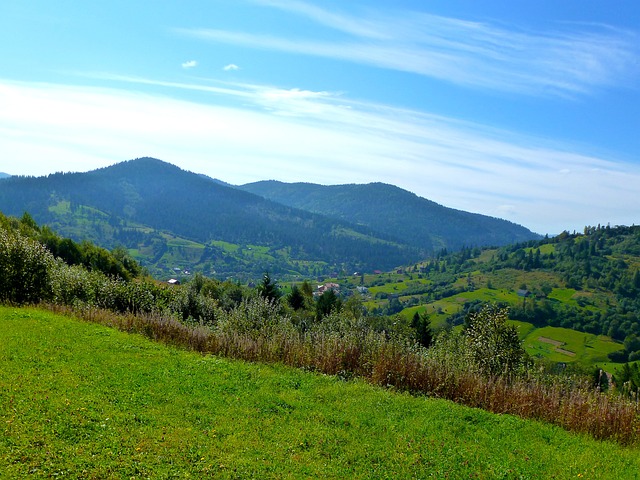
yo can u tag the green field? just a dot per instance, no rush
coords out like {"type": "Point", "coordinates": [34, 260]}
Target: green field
{"type": "Point", "coordinates": [79, 400]}
{"type": "Point", "coordinates": [565, 345]}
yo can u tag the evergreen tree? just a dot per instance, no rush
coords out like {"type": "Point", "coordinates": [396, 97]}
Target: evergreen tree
{"type": "Point", "coordinates": [269, 289]}
{"type": "Point", "coordinates": [327, 302]}
{"type": "Point", "coordinates": [307, 290]}
{"type": "Point", "coordinates": [296, 299]}
{"type": "Point", "coordinates": [422, 326]}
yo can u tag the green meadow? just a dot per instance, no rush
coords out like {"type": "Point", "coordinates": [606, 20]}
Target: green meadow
{"type": "Point", "coordinates": [566, 345]}
{"type": "Point", "coordinates": [78, 400]}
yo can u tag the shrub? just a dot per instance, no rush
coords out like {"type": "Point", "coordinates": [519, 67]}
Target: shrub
{"type": "Point", "coordinates": [25, 269]}
{"type": "Point", "coordinates": [255, 317]}
{"type": "Point", "coordinates": [492, 346]}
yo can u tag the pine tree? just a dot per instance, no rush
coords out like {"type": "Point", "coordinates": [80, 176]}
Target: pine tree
{"type": "Point", "coordinates": [269, 289]}
{"type": "Point", "coordinates": [422, 326]}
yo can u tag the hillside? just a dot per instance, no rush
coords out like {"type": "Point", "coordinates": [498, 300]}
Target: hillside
{"type": "Point", "coordinates": [394, 211]}
{"type": "Point", "coordinates": [172, 221]}
{"type": "Point", "coordinates": [4, 175]}
{"type": "Point", "coordinates": [79, 400]}
{"type": "Point", "coordinates": [483, 363]}
{"type": "Point", "coordinates": [168, 217]}
{"type": "Point", "coordinates": [555, 288]}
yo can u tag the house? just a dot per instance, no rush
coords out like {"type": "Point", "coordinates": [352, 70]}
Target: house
{"type": "Point", "coordinates": [524, 293]}
{"type": "Point", "coordinates": [173, 281]}
{"type": "Point", "coordinates": [326, 287]}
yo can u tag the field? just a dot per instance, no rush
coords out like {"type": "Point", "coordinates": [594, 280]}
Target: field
{"type": "Point", "coordinates": [565, 345]}
{"type": "Point", "coordinates": [586, 349]}
{"type": "Point", "coordinates": [79, 400]}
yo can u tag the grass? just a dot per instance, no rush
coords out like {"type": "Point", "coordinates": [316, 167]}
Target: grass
{"type": "Point", "coordinates": [390, 288]}
{"type": "Point", "coordinates": [487, 295]}
{"type": "Point", "coordinates": [63, 207]}
{"type": "Point", "coordinates": [79, 400]}
{"type": "Point", "coordinates": [564, 295]}
{"type": "Point", "coordinates": [524, 328]}
{"type": "Point", "coordinates": [589, 349]}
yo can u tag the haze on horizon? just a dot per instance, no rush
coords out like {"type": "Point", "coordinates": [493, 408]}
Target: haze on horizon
{"type": "Point", "coordinates": [528, 114]}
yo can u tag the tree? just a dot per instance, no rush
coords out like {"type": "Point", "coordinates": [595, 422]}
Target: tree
{"type": "Point", "coordinates": [28, 221]}
{"type": "Point", "coordinates": [296, 299]}
{"type": "Point", "coordinates": [354, 306]}
{"type": "Point", "coordinates": [493, 346]}
{"type": "Point", "coordinates": [307, 290]}
{"type": "Point", "coordinates": [327, 303]}
{"type": "Point", "coordinates": [422, 326]}
{"type": "Point", "coordinates": [269, 289]}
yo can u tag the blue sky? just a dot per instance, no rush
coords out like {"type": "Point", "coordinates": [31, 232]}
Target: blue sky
{"type": "Point", "coordinates": [528, 111]}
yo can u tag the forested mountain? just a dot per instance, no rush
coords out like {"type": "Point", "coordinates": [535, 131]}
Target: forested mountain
{"type": "Point", "coordinates": [170, 219]}
{"type": "Point", "coordinates": [152, 207]}
{"type": "Point", "coordinates": [394, 211]}
{"type": "Point", "coordinates": [4, 175]}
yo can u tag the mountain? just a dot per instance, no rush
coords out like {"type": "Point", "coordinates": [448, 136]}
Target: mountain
{"type": "Point", "coordinates": [393, 211]}
{"type": "Point", "coordinates": [4, 175]}
{"type": "Point", "coordinates": [171, 219]}
{"type": "Point", "coordinates": [166, 216]}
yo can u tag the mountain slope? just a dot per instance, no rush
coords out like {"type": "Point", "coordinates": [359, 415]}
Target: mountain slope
{"type": "Point", "coordinates": [116, 204]}
{"type": "Point", "coordinates": [394, 211]}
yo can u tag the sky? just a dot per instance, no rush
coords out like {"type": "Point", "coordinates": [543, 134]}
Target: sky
{"type": "Point", "coordinates": [527, 111]}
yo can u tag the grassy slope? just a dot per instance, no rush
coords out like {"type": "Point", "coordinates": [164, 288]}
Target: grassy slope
{"type": "Point", "coordinates": [81, 400]}
{"type": "Point", "coordinates": [590, 350]}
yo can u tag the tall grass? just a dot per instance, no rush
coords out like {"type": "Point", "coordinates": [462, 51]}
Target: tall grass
{"type": "Point", "coordinates": [257, 331]}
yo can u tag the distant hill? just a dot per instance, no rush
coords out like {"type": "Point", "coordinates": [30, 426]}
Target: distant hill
{"type": "Point", "coordinates": [172, 220]}
{"type": "Point", "coordinates": [167, 216]}
{"type": "Point", "coordinates": [4, 175]}
{"type": "Point", "coordinates": [393, 211]}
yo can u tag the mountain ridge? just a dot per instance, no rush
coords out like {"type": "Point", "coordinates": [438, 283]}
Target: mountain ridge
{"type": "Point", "coordinates": [411, 217]}
{"type": "Point", "coordinates": [121, 201]}
{"type": "Point", "coordinates": [164, 214]}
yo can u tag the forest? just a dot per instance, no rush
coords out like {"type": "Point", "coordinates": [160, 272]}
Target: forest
{"type": "Point", "coordinates": [170, 218]}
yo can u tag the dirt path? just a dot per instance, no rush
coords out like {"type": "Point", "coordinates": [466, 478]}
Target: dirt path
{"type": "Point", "coordinates": [551, 341]}
{"type": "Point", "coordinates": [557, 344]}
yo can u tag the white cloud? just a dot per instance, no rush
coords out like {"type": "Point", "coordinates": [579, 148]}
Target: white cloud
{"type": "Point", "coordinates": [331, 140]}
{"type": "Point", "coordinates": [231, 67]}
{"type": "Point", "coordinates": [190, 64]}
{"type": "Point", "coordinates": [561, 63]}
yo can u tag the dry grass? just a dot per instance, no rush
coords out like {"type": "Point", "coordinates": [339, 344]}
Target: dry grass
{"type": "Point", "coordinates": [564, 402]}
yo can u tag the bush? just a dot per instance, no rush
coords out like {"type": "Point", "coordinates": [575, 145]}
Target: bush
{"type": "Point", "coordinates": [255, 317]}
{"type": "Point", "coordinates": [25, 269]}
{"type": "Point", "coordinates": [493, 346]}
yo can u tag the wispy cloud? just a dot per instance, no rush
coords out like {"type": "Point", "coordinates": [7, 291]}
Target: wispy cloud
{"type": "Point", "coordinates": [303, 135]}
{"type": "Point", "coordinates": [353, 25]}
{"type": "Point", "coordinates": [568, 61]}
{"type": "Point", "coordinates": [231, 67]}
